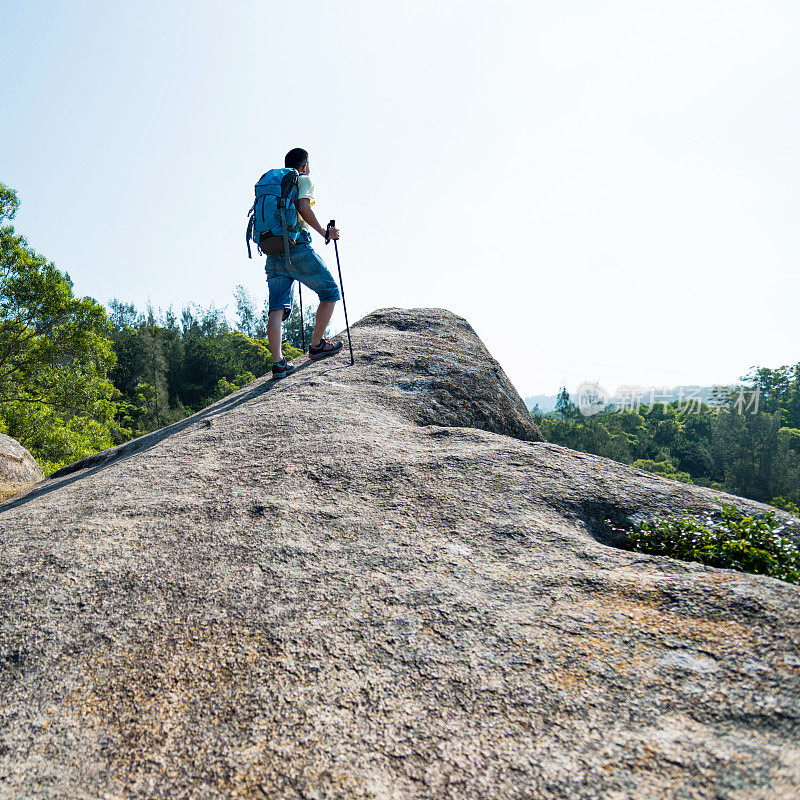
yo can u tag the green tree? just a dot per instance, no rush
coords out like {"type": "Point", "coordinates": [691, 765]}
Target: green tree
{"type": "Point", "coordinates": [565, 406]}
{"type": "Point", "coordinates": [746, 445]}
{"type": "Point", "coordinates": [248, 321]}
{"type": "Point", "coordinates": [153, 386]}
{"type": "Point", "coordinates": [55, 355]}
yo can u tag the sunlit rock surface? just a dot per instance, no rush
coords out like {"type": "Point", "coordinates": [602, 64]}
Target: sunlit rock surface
{"type": "Point", "coordinates": [18, 468]}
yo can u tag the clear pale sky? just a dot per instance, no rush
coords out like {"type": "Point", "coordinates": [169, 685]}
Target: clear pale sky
{"type": "Point", "coordinates": [606, 190]}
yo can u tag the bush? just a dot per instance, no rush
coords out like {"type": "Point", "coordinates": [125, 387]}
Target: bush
{"type": "Point", "coordinates": [665, 469]}
{"type": "Point", "coordinates": [786, 505]}
{"type": "Point", "coordinates": [726, 538]}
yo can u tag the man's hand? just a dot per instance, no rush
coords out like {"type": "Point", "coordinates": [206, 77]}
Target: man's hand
{"type": "Point", "coordinates": [332, 233]}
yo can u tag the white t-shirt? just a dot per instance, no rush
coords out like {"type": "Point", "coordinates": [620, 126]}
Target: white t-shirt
{"type": "Point", "coordinates": [305, 191]}
{"type": "Point", "coordinates": [305, 188]}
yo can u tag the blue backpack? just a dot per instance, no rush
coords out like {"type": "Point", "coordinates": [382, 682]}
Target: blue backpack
{"type": "Point", "coordinates": [274, 212]}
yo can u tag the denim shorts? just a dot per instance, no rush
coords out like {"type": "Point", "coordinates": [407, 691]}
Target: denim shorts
{"type": "Point", "coordinates": [306, 267]}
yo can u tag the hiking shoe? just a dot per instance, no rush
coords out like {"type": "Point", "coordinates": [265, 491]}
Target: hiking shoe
{"type": "Point", "coordinates": [324, 349]}
{"type": "Point", "coordinates": [281, 369]}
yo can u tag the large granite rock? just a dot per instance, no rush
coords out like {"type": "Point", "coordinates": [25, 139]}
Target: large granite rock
{"type": "Point", "coordinates": [18, 468]}
{"type": "Point", "coordinates": [375, 581]}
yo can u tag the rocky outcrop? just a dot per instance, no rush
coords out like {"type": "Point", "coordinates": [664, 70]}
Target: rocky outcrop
{"type": "Point", "coordinates": [444, 373]}
{"type": "Point", "coordinates": [18, 468]}
{"type": "Point", "coordinates": [363, 582]}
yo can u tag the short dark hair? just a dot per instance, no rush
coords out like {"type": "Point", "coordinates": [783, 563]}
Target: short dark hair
{"type": "Point", "coordinates": [296, 158]}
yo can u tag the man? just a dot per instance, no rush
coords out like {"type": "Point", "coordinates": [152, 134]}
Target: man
{"type": "Point", "coordinates": [305, 266]}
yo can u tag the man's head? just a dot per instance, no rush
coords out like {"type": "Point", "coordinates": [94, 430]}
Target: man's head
{"type": "Point", "coordinates": [297, 159]}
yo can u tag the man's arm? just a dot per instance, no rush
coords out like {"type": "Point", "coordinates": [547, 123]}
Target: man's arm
{"type": "Point", "coordinates": [304, 208]}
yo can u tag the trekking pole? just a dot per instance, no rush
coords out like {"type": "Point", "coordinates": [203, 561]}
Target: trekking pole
{"type": "Point", "coordinates": [302, 326]}
{"type": "Point", "coordinates": [288, 262]}
{"type": "Point", "coordinates": [332, 224]}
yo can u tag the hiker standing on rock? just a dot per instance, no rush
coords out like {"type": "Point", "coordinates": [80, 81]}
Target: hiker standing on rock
{"type": "Point", "coordinates": [282, 233]}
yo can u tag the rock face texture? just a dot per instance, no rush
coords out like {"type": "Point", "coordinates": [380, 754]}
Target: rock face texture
{"type": "Point", "coordinates": [18, 468]}
{"type": "Point", "coordinates": [376, 581]}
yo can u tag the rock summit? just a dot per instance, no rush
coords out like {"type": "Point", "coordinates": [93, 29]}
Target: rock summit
{"type": "Point", "coordinates": [377, 581]}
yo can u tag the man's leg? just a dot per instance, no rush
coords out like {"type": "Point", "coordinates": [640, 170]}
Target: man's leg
{"type": "Point", "coordinates": [311, 270]}
{"type": "Point", "coordinates": [275, 334]}
{"type": "Point", "coordinates": [324, 314]}
{"type": "Point", "coordinates": [281, 292]}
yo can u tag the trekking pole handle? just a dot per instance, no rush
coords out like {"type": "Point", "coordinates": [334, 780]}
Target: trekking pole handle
{"type": "Point", "coordinates": [331, 224]}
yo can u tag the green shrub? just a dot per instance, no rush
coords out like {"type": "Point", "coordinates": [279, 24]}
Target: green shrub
{"type": "Point", "coordinates": [725, 538]}
{"type": "Point", "coordinates": [786, 505]}
{"type": "Point", "coordinates": [665, 468]}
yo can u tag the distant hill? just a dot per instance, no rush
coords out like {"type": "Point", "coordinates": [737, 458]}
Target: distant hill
{"type": "Point", "coordinates": [547, 402]}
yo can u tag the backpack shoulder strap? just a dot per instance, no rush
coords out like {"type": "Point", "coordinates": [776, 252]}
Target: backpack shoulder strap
{"type": "Point", "coordinates": [289, 183]}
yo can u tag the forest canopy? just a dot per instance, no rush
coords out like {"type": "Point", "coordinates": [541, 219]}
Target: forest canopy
{"type": "Point", "coordinates": [56, 397]}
